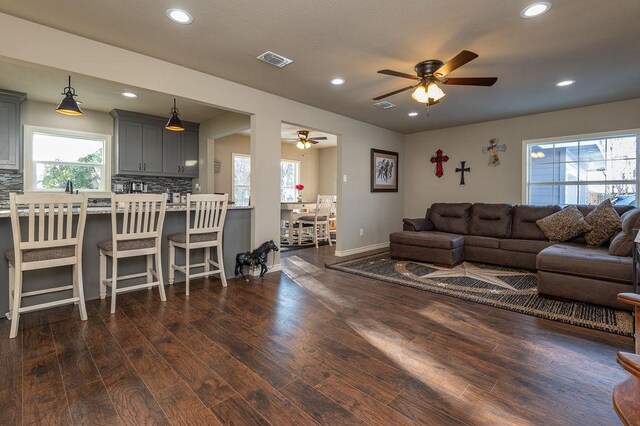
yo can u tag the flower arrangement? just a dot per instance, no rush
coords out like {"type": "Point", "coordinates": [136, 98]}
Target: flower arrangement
{"type": "Point", "coordinates": [299, 187]}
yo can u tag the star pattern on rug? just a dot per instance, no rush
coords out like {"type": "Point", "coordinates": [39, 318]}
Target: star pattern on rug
{"type": "Point", "coordinates": [469, 270]}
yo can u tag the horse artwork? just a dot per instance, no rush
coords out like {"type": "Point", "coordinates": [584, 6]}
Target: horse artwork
{"type": "Point", "coordinates": [492, 150]}
{"type": "Point", "coordinates": [255, 258]}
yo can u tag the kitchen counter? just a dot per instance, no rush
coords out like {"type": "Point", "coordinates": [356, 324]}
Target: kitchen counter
{"type": "Point", "coordinates": [236, 239]}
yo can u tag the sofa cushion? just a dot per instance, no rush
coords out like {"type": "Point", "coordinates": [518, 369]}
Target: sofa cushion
{"type": "Point", "coordinates": [585, 209]}
{"type": "Point", "coordinates": [491, 220]}
{"type": "Point", "coordinates": [430, 239]}
{"type": "Point", "coordinates": [524, 246]}
{"type": "Point", "coordinates": [523, 221]}
{"type": "Point", "coordinates": [450, 217]}
{"type": "Point", "coordinates": [590, 262]}
{"type": "Point", "coordinates": [564, 225]}
{"type": "Point", "coordinates": [418, 224]}
{"type": "Point", "coordinates": [480, 241]}
{"type": "Point", "coordinates": [605, 222]}
{"type": "Point", "coordinates": [622, 244]}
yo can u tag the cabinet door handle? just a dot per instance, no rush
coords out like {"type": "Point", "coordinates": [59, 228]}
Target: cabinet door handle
{"type": "Point", "coordinates": [139, 166]}
{"type": "Point", "coordinates": [144, 166]}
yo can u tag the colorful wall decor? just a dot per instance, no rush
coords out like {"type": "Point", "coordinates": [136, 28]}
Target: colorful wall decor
{"type": "Point", "coordinates": [493, 149]}
{"type": "Point", "coordinates": [438, 159]}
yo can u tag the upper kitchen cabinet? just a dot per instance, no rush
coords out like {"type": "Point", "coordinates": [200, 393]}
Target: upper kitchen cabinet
{"type": "Point", "coordinates": [10, 129]}
{"type": "Point", "coordinates": [144, 147]}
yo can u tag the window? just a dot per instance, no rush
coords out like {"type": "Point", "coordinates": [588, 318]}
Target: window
{"type": "Point", "coordinates": [53, 157]}
{"type": "Point", "coordinates": [241, 176]}
{"type": "Point", "coordinates": [582, 170]}
{"type": "Point", "coordinates": [289, 178]}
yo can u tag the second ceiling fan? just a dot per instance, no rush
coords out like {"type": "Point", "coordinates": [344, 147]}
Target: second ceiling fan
{"type": "Point", "coordinates": [304, 141]}
{"type": "Point", "coordinates": [431, 72]}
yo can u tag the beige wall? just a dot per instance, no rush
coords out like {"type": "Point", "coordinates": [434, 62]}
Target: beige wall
{"type": "Point", "coordinates": [328, 171]}
{"type": "Point", "coordinates": [41, 114]}
{"type": "Point", "coordinates": [313, 170]}
{"type": "Point", "coordinates": [502, 183]}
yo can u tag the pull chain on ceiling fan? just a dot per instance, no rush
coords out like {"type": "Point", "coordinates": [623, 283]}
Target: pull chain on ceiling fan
{"type": "Point", "coordinates": [432, 72]}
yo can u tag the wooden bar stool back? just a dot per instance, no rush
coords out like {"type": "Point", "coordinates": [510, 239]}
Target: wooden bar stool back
{"type": "Point", "coordinates": [204, 231]}
{"type": "Point", "coordinates": [54, 238]}
{"type": "Point", "coordinates": [138, 234]}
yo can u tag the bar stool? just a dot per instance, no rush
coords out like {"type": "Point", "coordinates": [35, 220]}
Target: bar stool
{"type": "Point", "coordinates": [139, 234]}
{"type": "Point", "coordinates": [203, 231]}
{"type": "Point", "coordinates": [53, 240]}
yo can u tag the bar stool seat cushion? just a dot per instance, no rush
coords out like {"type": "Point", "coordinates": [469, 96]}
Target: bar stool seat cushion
{"type": "Point", "coordinates": [312, 219]}
{"type": "Point", "coordinates": [142, 243]}
{"type": "Point", "coordinates": [181, 237]}
{"type": "Point", "coordinates": [42, 254]}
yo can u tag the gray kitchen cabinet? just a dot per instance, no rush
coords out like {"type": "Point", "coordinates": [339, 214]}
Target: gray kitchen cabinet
{"type": "Point", "coordinates": [144, 147]}
{"type": "Point", "coordinates": [10, 151]}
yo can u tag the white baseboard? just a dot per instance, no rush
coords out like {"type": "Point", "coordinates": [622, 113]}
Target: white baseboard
{"type": "Point", "coordinates": [358, 250]}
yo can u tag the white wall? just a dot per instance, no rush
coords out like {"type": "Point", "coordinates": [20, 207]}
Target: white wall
{"type": "Point", "coordinates": [502, 183]}
{"type": "Point", "coordinates": [328, 171]}
{"type": "Point", "coordinates": [377, 213]}
{"type": "Point", "coordinates": [41, 114]}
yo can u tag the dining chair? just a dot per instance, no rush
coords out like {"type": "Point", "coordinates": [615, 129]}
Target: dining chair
{"type": "Point", "coordinates": [319, 221]}
{"type": "Point", "coordinates": [205, 218]}
{"type": "Point", "coordinates": [138, 234]}
{"type": "Point", "coordinates": [55, 229]}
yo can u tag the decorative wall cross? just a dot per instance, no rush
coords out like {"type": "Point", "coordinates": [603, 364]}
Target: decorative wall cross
{"type": "Point", "coordinates": [438, 159]}
{"type": "Point", "coordinates": [492, 150]}
{"type": "Point", "coordinates": [461, 170]}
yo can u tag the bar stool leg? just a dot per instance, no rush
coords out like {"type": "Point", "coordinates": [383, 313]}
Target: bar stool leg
{"type": "Point", "coordinates": [223, 278]}
{"type": "Point", "coordinates": [103, 275]}
{"type": "Point", "coordinates": [163, 295]}
{"type": "Point", "coordinates": [149, 268]}
{"type": "Point", "coordinates": [172, 261]}
{"type": "Point", "coordinates": [186, 269]}
{"type": "Point", "coordinates": [114, 284]}
{"type": "Point", "coordinates": [17, 296]}
{"type": "Point", "coordinates": [12, 280]}
{"type": "Point", "coordinates": [207, 256]}
{"type": "Point", "coordinates": [74, 281]}
{"type": "Point", "coordinates": [78, 287]}
{"type": "Point", "coordinates": [328, 234]}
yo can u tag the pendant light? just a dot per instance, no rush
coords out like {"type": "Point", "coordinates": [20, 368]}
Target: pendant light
{"type": "Point", "coordinates": [68, 105]}
{"type": "Point", "coordinates": [174, 124]}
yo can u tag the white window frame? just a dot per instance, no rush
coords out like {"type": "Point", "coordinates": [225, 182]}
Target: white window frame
{"type": "Point", "coordinates": [28, 163]}
{"type": "Point", "coordinates": [525, 157]}
{"type": "Point", "coordinates": [298, 173]}
{"type": "Point", "coordinates": [233, 174]}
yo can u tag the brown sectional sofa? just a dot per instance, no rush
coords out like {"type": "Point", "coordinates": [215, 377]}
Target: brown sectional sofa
{"type": "Point", "coordinates": [508, 235]}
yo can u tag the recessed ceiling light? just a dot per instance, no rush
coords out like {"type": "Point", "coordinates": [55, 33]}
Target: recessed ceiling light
{"type": "Point", "coordinates": [180, 16]}
{"type": "Point", "coordinates": [564, 83]}
{"type": "Point", "coordinates": [129, 95]}
{"type": "Point", "coordinates": [337, 81]}
{"type": "Point", "coordinates": [413, 114]}
{"type": "Point", "coordinates": [535, 9]}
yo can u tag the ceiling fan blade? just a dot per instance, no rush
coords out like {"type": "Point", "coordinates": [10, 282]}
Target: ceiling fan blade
{"type": "Point", "coordinates": [399, 74]}
{"type": "Point", "coordinates": [320, 138]}
{"type": "Point", "coordinates": [459, 60]}
{"type": "Point", "coordinates": [393, 93]}
{"type": "Point", "coordinates": [312, 142]}
{"type": "Point", "coordinates": [471, 81]}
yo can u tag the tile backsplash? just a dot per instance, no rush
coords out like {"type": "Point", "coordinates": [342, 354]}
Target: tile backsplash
{"type": "Point", "coordinates": [9, 182]}
{"type": "Point", "coordinates": [156, 184]}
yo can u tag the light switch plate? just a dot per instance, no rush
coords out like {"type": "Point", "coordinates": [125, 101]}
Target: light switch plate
{"type": "Point", "coordinates": [344, 178]}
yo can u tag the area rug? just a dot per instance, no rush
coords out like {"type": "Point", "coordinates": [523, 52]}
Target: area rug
{"type": "Point", "coordinates": [502, 287]}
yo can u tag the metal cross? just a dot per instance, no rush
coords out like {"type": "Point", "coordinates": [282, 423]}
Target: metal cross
{"type": "Point", "coordinates": [461, 170]}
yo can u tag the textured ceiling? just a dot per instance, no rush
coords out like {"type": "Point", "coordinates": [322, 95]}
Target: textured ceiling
{"type": "Point", "coordinates": [594, 42]}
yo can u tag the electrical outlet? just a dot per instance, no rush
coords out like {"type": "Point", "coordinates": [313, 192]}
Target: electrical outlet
{"type": "Point", "coordinates": [362, 232]}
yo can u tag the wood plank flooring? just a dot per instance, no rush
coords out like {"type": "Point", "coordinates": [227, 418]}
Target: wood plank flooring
{"type": "Point", "coordinates": [306, 346]}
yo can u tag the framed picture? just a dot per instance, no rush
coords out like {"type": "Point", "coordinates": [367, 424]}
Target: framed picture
{"type": "Point", "coordinates": [384, 171]}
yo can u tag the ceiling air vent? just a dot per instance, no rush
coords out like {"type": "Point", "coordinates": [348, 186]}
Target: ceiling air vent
{"type": "Point", "coordinates": [385, 105]}
{"type": "Point", "coordinates": [274, 59]}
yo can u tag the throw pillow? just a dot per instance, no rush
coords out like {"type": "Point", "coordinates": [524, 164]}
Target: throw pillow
{"type": "Point", "coordinates": [605, 221]}
{"type": "Point", "coordinates": [622, 244]}
{"type": "Point", "coordinates": [564, 225]}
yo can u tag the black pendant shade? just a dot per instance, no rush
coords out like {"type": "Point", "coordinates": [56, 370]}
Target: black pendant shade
{"type": "Point", "coordinates": [174, 123]}
{"type": "Point", "coordinates": [69, 106]}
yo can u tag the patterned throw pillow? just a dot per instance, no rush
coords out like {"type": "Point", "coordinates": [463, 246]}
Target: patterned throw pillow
{"type": "Point", "coordinates": [622, 243]}
{"type": "Point", "coordinates": [564, 225]}
{"type": "Point", "coordinates": [605, 221]}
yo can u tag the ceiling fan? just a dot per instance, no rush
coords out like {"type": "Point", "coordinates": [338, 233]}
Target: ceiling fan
{"type": "Point", "coordinates": [304, 141]}
{"type": "Point", "coordinates": [431, 72]}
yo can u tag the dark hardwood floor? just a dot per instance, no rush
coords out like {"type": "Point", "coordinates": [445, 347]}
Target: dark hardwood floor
{"type": "Point", "coordinates": [307, 346]}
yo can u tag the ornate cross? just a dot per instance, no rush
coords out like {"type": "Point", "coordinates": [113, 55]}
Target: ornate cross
{"type": "Point", "coordinates": [438, 159]}
{"type": "Point", "coordinates": [461, 170]}
{"type": "Point", "coordinates": [492, 150]}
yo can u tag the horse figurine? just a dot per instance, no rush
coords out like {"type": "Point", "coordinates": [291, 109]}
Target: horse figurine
{"type": "Point", "coordinates": [258, 257]}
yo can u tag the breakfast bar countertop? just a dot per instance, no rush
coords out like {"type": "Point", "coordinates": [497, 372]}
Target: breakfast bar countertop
{"type": "Point", "coordinates": [106, 209]}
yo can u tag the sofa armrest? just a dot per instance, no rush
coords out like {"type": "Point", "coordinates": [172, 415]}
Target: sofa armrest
{"type": "Point", "coordinates": [419, 224]}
